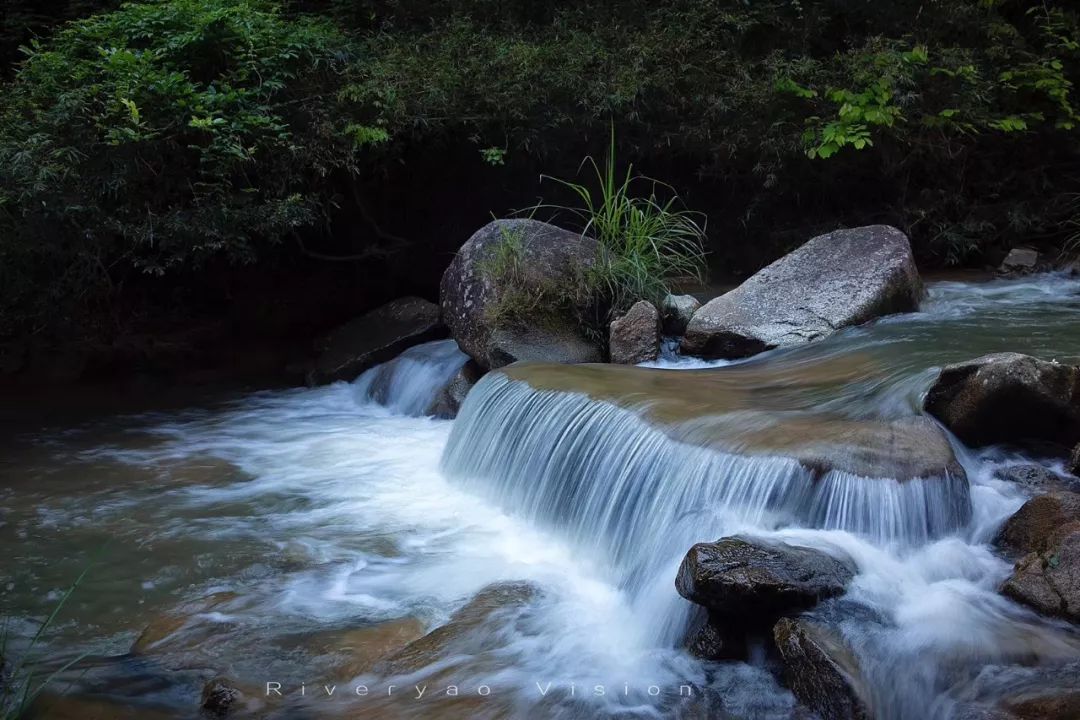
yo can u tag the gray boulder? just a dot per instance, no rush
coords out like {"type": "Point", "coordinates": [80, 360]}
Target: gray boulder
{"type": "Point", "coordinates": [844, 278]}
{"type": "Point", "coordinates": [1073, 465]}
{"type": "Point", "coordinates": [635, 337]}
{"type": "Point", "coordinates": [741, 580]}
{"type": "Point", "coordinates": [514, 292]}
{"type": "Point", "coordinates": [376, 337]}
{"type": "Point", "coordinates": [676, 312]}
{"type": "Point", "coordinates": [821, 670]}
{"type": "Point", "coordinates": [1020, 261]}
{"type": "Point", "coordinates": [1009, 398]}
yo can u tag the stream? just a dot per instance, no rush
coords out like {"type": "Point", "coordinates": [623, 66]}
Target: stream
{"type": "Point", "coordinates": [313, 515]}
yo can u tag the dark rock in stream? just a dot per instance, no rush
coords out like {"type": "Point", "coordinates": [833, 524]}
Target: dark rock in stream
{"type": "Point", "coordinates": [753, 581]}
{"type": "Point", "coordinates": [1009, 398]}
{"type": "Point", "coordinates": [528, 267]}
{"type": "Point", "coordinates": [452, 395]}
{"type": "Point", "coordinates": [676, 313]}
{"type": "Point", "coordinates": [1073, 464]}
{"type": "Point", "coordinates": [821, 670]}
{"type": "Point", "coordinates": [844, 278]}
{"type": "Point", "coordinates": [1020, 261]}
{"type": "Point", "coordinates": [376, 337]}
{"type": "Point", "coordinates": [635, 337]}
{"type": "Point", "coordinates": [220, 697]}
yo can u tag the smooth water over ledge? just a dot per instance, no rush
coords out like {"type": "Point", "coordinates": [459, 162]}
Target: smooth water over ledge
{"type": "Point", "coordinates": [311, 514]}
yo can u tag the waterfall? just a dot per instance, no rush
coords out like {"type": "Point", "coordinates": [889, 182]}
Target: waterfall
{"type": "Point", "coordinates": [605, 476]}
{"type": "Point", "coordinates": [410, 383]}
{"type": "Point", "coordinates": [607, 480]}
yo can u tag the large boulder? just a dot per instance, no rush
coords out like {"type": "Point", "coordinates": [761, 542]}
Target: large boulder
{"type": "Point", "coordinates": [1033, 527]}
{"type": "Point", "coordinates": [844, 278]}
{"type": "Point", "coordinates": [635, 336]}
{"type": "Point", "coordinates": [514, 292]}
{"type": "Point", "coordinates": [677, 311]}
{"type": "Point", "coordinates": [1009, 398]}
{"type": "Point", "coordinates": [821, 670]}
{"type": "Point", "coordinates": [749, 581]}
{"type": "Point", "coordinates": [376, 337]}
{"type": "Point", "coordinates": [1048, 580]}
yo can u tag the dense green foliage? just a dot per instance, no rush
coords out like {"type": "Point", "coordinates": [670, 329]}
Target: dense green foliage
{"type": "Point", "coordinates": [160, 134]}
{"type": "Point", "coordinates": [151, 139]}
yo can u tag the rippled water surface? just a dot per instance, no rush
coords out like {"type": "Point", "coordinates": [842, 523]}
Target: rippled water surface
{"type": "Point", "coordinates": [306, 515]}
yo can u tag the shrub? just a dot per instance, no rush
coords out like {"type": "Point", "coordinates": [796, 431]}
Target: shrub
{"type": "Point", "coordinates": [157, 136]}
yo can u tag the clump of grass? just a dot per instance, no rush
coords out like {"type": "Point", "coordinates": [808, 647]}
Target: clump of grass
{"type": "Point", "coordinates": [526, 300]}
{"type": "Point", "coordinates": [19, 684]}
{"type": "Point", "coordinates": [646, 243]}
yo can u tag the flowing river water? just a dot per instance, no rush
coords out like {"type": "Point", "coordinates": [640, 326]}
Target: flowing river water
{"type": "Point", "coordinates": [280, 530]}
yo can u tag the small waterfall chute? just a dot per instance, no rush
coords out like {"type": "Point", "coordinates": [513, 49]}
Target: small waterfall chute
{"type": "Point", "coordinates": [410, 383]}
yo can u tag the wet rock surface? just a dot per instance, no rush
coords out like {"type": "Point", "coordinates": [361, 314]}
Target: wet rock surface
{"type": "Point", "coordinates": [452, 395]}
{"type": "Point", "coordinates": [1033, 528]}
{"type": "Point", "coordinates": [722, 409]}
{"type": "Point", "coordinates": [1020, 261]}
{"type": "Point", "coordinates": [676, 312]}
{"type": "Point", "coordinates": [821, 670]}
{"type": "Point", "coordinates": [635, 337]}
{"type": "Point", "coordinates": [751, 580]}
{"type": "Point", "coordinates": [546, 261]}
{"type": "Point", "coordinates": [1037, 478]}
{"type": "Point", "coordinates": [1049, 580]}
{"type": "Point", "coordinates": [376, 337]}
{"type": "Point", "coordinates": [542, 343]}
{"type": "Point", "coordinates": [459, 635]}
{"type": "Point", "coordinates": [1009, 398]}
{"type": "Point", "coordinates": [844, 278]}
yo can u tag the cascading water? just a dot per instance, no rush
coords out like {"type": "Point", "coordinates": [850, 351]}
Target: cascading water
{"type": "Point", "coordinates": [410, 383]}
{"type": "Point", "coordinates": [314, 514]}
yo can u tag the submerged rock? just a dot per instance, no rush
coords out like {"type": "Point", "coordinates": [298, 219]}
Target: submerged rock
{"type": "Point", "coordinates": [179, 628]}
{"type": "Point", "coordinates": [635, 337]}
{"type": "Point", "coordinates": [676, 312]}
{"type": "Point", "coordinates": [1008, 398]}
{"type": "Point", "coordinates": [376, 337]}
{"type": "Point", "coordinates": [1033, 527]}
{"type": "Point", "coordinates": [361, 649]}
{"type": "Point", "coordinates": [54, 706]}
{"type": "Point", "coordinates": [821, 670]}
{"type": "Point", "coordinates": [844, 278]}
{"type": "Point", "coordinates": [452, 395]}
{"type": "Point", "coordinates": [754, 581]}
{"type": "Point", "coordinates": [513, 292]}
{"type": "Point", "coordinates": [460, 636]}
